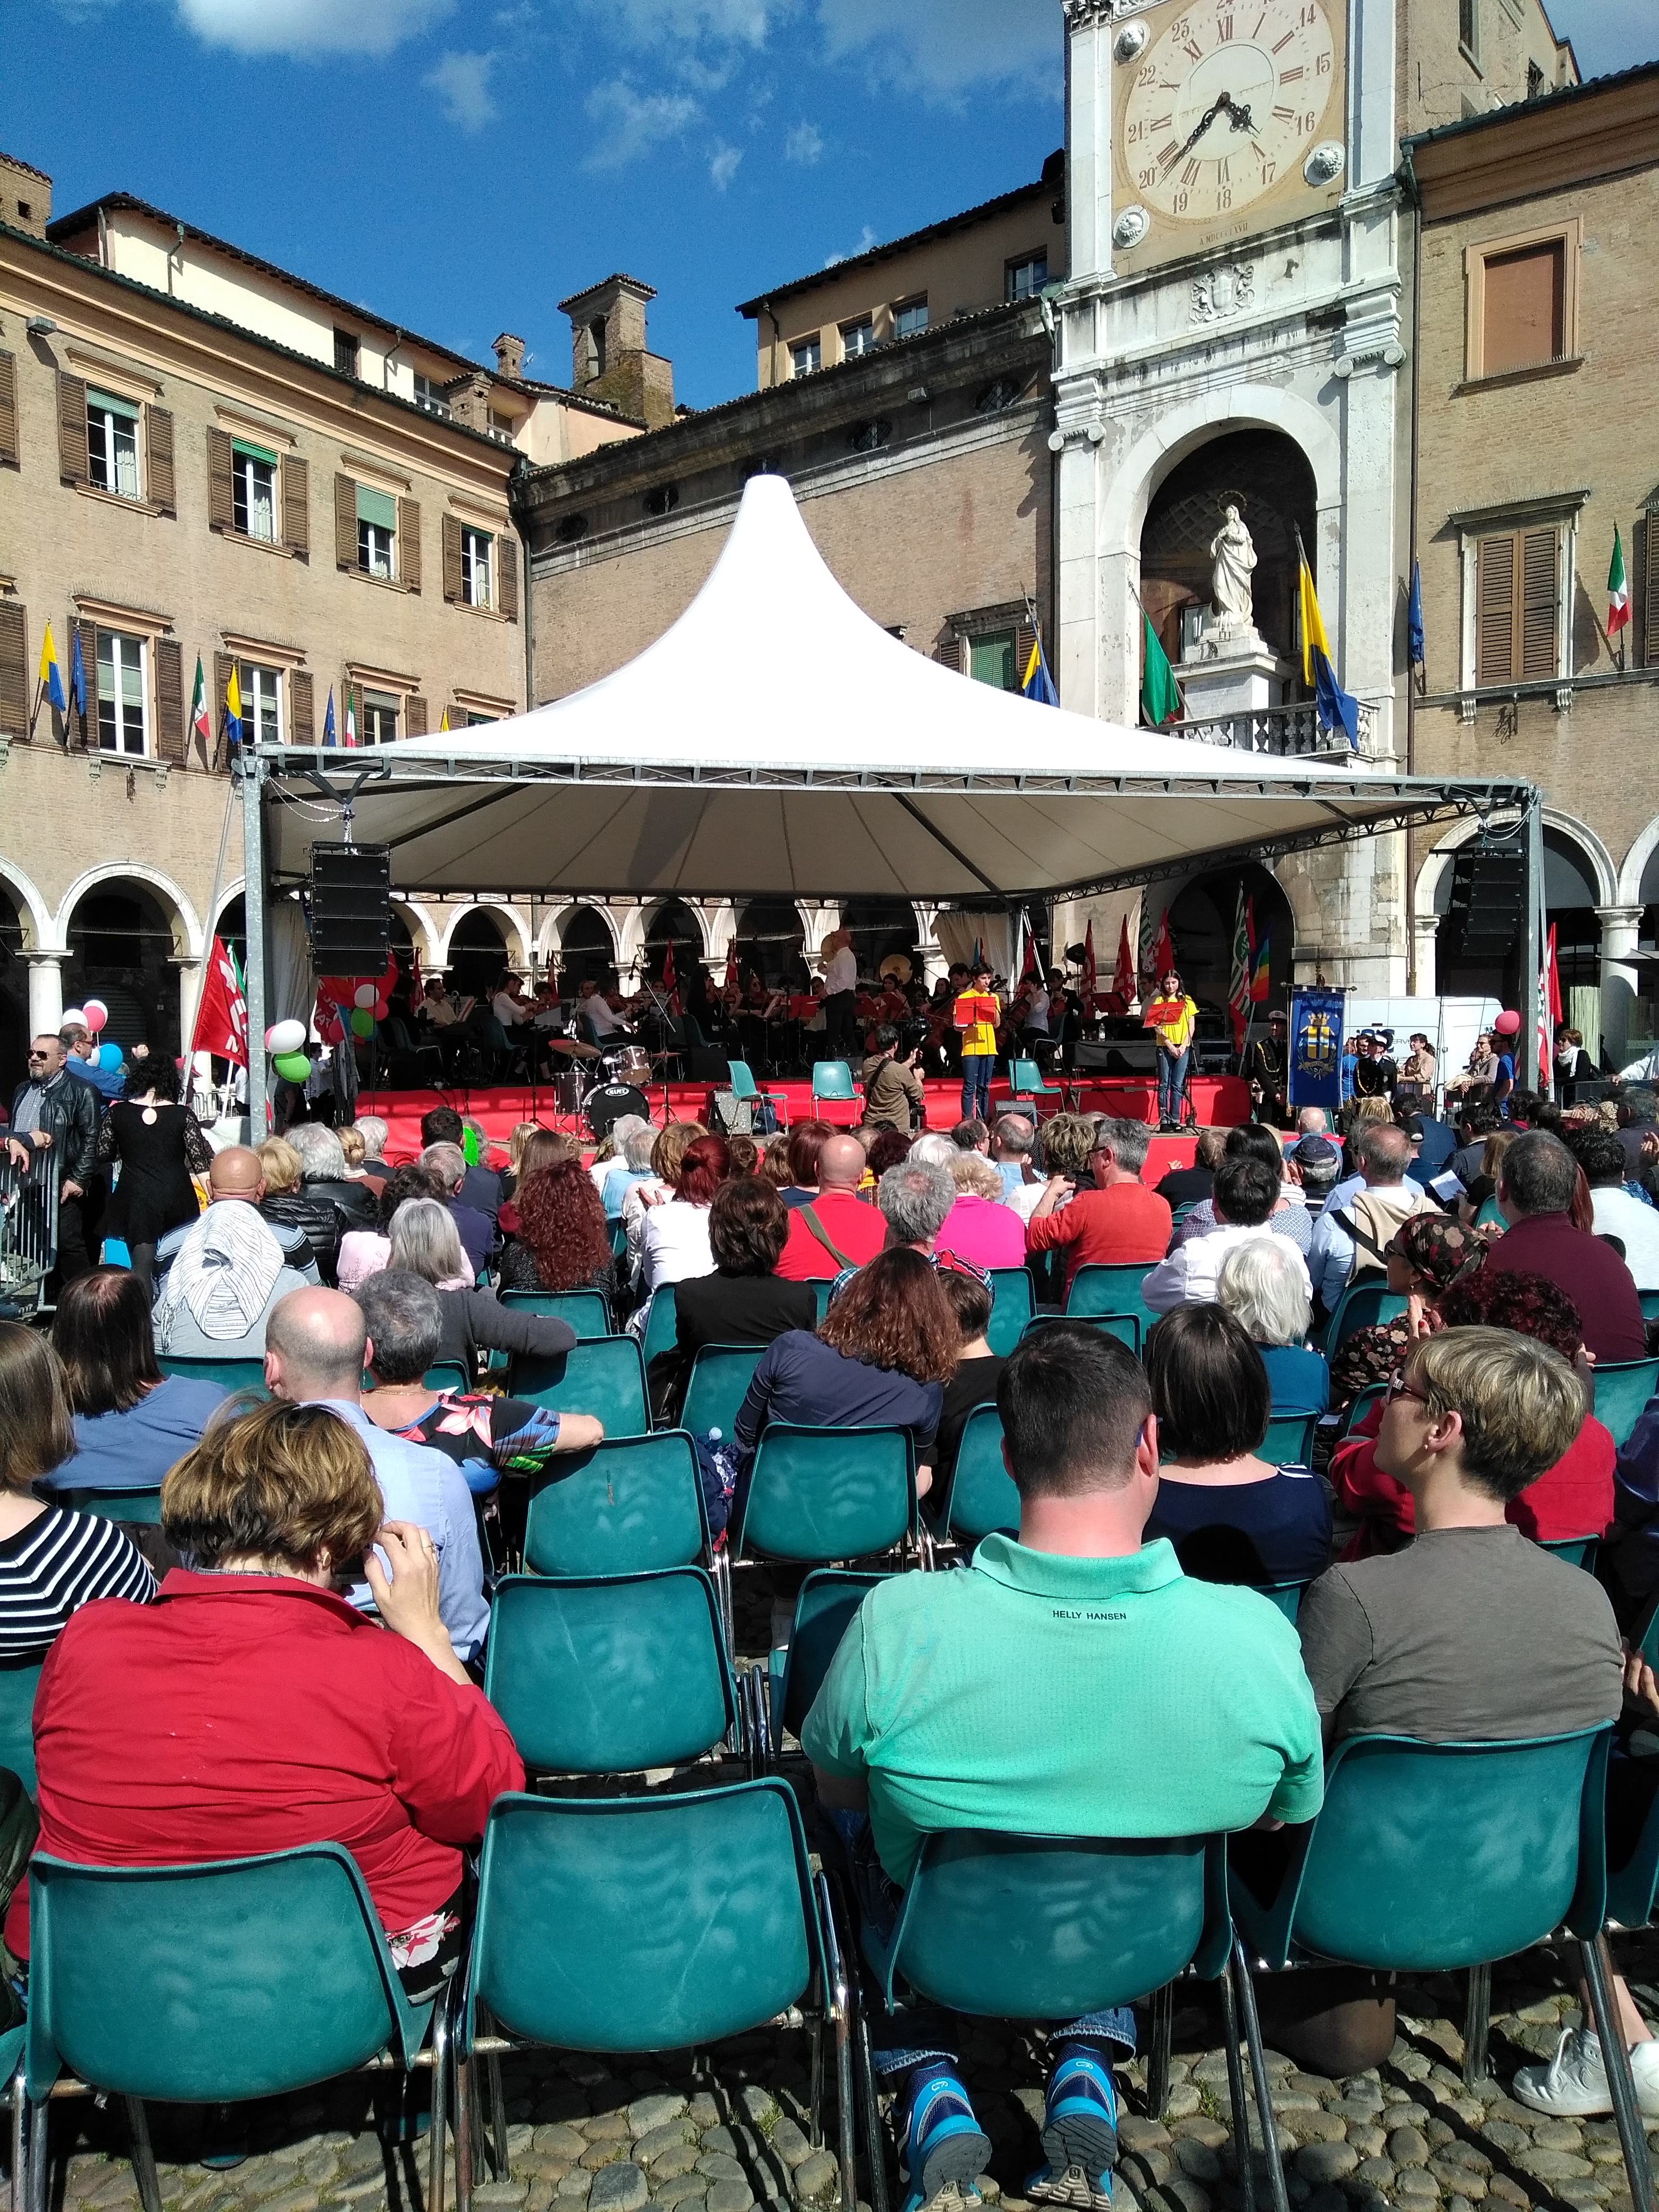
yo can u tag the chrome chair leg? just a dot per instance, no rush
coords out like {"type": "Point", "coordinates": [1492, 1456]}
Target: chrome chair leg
{"type": "Point", "coordinates": [875, 2138]}
{"type": "Point", "coordinates": [19, 2165]}
{"type": "Point", "coordinates": [1477, 2028]}
{"type": "Point", "coordinates": [144, 2158]}
{"type": "Point", "coordinates": [1239, 2106]}
{"type": "Point", "coordinates": [465, 2070]}
{"type": "Point", "coordinates": [441, 2073]}
{"type": "Point", "coordinates": [1264, 2103]}
{"type": "Point", "coordinates": [1158, 2050]}
{"type": "Point", "coordinates": [495, 2142]}
{"type": "Point", "coordinates": [840, 2007]}
{"type": "Point", "coordinates": [1598, 1972]}
{"type": "Point", "coordinates": [40, 2159]}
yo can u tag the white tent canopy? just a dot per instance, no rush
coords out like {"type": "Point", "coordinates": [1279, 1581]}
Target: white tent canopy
{"type": "Point", "coordinates": [776, 742]}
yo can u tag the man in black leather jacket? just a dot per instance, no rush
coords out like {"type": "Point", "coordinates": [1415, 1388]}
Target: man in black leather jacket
{"type": "Point", "coordinates": [52, 1114]}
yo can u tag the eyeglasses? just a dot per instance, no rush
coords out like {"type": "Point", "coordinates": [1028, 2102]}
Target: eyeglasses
{"type": "Point", "coordinates": [1399, 1387]}
{"type": "Point", "coordinates": [39, 1056]}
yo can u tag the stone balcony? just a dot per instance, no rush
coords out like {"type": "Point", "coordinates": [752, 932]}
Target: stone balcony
{"type": "Point", "coordinates": [1285, 732]}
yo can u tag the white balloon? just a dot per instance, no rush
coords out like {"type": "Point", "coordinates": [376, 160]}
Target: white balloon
{"type": "Point", "coordinates": [286, 1036]}
{"type": "Point", "coordinates": [365, 995]}
{"type": "Point", "coordinates": [72, 1017]}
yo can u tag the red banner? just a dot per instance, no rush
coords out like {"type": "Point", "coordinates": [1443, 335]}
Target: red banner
{"type": "Point", "coordinates": [222, 1017]}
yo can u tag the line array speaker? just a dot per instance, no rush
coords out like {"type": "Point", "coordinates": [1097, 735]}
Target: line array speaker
{"type": "Point", "coordinates": [351, 910]}
{"type": "Point", "coordinates": [1488, 890]}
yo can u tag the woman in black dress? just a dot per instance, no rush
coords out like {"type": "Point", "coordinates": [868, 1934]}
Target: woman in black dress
{"type": "Point", "coordinates": [160, 1145]}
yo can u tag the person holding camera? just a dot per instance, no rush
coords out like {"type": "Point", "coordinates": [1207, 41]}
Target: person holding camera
{"type": "Point", "coordinates": [893, 1095]}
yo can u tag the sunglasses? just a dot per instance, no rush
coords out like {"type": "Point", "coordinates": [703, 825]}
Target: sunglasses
{"type": "Point", "coordinates": [39, 1056]}
{"type": "Point", "coordinates": [1399, 1387]}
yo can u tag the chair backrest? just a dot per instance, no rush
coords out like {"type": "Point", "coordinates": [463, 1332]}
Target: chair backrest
{"type": "Point", "coordinates": [586, 1031]}
{"type": "Point", "coordinates": [446, 1374]}
{"type": "Point", "coordinates": [1577, 1551]}
{"type": "Point", "coordinates": [19, 1681]}
{"type": "Point", "coordinates": [1360, 1408]}
{"type": "Point", "coordinates": [1649, 1302]}
{"type": "Point", "coordinates": [588, 1311]}
{"type": "Point", "coordinates": [604, 1376]}
{"type": "Point", "coordinates": [822, 1286]}
{"type": "Point", "coordinates": [630, 1506]}
{"type": "Point", "coordinates": [228, 1374]}
{"type": "Point", "coordinates": [662, 1324]}
{"type": "Point", "coordinates": [1026, 1079]}
{"type": "Point", "coordinates": [644, 1924]}
{"type": "Point", "coordinates": [1622, 1391]}
{"type": "Point", "coordinates": [819, 1495]}
{"type": "Point", "coordinates": [1359, 1306]}
{"type": "Point", "coordinates": [1429, 1856]}
{"type": "Point", "coordinates": [1051, 1927]}
{"type": "Point", "coordinates": [982, 1494]}
{"type": "Point", "coordinates": [1010, 1308]}
{"type": "Point", "coordinates": [823, 1612]}
{"type": "Point", "coordinates": [211, 1983]}
{"type": "Point", "coordinates": [1126, 1328]}
{"type": "Point", "coordinates": [1289, 1440]}
{"type": "Point", "coordinates": [140, 1506]}
{"type": "Point", "coordinates": [609, 1673]}
{"type": "Point", "coordinates": [720, 1375]}
{"type": "Point", "coordinates": [1095, 1289]}
{"type": "Point", "coordinates": [740, 1076]}
{"type": "Point", "coordinates": [832, 1078]}
{"type": "Point", "coordinates": [1287, 1597]}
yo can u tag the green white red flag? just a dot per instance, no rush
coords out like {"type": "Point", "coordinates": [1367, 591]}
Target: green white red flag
{"type": "Point", "coordinates": [1618, 589]}
{"type": "Point", "coordinates": [201, 722]}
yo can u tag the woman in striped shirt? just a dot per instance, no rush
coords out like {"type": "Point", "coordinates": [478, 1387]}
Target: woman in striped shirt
{"type": "Point", "coordinates": [51, 1560]}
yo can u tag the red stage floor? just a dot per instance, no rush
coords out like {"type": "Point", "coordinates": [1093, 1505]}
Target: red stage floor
{"type": "Point", "coordinates": [1223, 1099]}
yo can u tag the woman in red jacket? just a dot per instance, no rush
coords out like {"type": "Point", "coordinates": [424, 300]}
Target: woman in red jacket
{"type": "Point", "coordinates": [250, 1709]}
{"type": "Point", "coordinates": [1574, 1498]}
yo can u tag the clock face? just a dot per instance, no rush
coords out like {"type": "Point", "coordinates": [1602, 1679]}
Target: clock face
{"type": "Point", "coordinates": [1226, 103]}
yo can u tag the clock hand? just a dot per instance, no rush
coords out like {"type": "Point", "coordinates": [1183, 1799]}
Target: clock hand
{"type": "Point", "coordinates": [1198, 128]}
{"type": "Point", "coordinates": [1241, 117]}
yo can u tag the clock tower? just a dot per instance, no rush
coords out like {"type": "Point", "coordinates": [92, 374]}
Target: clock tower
{"type": "Point", "coordinates": [1231, 334]}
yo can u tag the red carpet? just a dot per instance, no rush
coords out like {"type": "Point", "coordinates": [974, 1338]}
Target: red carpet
{"type": "Point", "coordinates": [1221, 1099]}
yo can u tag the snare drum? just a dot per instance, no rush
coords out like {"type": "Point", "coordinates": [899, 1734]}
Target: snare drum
{"type": "Point", "coordinates": [569, 1089]}
{"type": "Point", "coordinates": [631, 1064]}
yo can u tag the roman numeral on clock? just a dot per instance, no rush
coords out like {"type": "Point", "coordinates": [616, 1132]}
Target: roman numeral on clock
{"type": "Point", "coordinates": [1279, 44]}
{"type": "Point", "coordinates": [1171, 153]}
{"type": "Point", "coordinates": [1292, 76]}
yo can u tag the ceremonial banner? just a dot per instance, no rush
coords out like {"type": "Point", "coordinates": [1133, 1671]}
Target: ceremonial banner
{"type": "Point", "coordinates": [1316, 1050]}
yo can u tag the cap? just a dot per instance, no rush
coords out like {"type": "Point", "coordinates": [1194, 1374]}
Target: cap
{"type": "Point", "coordinates": [1313, 1151]}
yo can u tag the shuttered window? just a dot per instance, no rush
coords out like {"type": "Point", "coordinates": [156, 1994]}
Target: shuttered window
{"type": "Point", "coordinates": [949, 654]}
{"type": "Point", "coordinates": [158, 458]}
{"type": "Point", "coordinates": [121, 686]}
{"type": "Point", "coordinates": [1517, 607]}
{"type": "Point", "coordinates": [112, 444]}
{"type": "Point", "coordinates": [377, 531]}
{"type": "Point", "coordinates": [171, 735]}
{"type": "Point", "coordinates": [71, 428]}
{"type": "Point", "coordinates": [296, 505]}
{"type": "Point", "coordinates": [408, 544]}
{"type": "Point", "coordinates": [1649, 594]}
{"type": "Point", "coordinates": [301, 707]}
{"type": "Point", "coordinates": [14, 669]}
{"type": "Point", "coordinates": [221, 507]}
{"type": "Point", "coordinates": [1523, 320]}
{"type": "Point", "coordinates": [477, 567]}
{"type": "Point", "coordinates": [992, 661]}
{"type": "Point", "coordinates": [7, 408]}
{"type": "Point", "coordinates": [253, 490]}
{"type": "Point", "coordinates": [262, 709]}
{"type": "Point", "coordinates": [507, 576]}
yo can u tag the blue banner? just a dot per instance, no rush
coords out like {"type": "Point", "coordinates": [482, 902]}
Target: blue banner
{"type": "Point", "coordinates": [1316, 1050]}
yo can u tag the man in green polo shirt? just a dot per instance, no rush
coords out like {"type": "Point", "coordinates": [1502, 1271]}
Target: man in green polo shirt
{"type": "Point", "coordinates": [1075, 1683]}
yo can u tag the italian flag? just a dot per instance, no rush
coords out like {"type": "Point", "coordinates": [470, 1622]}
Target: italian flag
{"type": "Point", "coordinates": [201, 722]}
{"type": "Point", "coordinates": [350, 717]}
{"type": "Point", "coordinates": [1618, 589]}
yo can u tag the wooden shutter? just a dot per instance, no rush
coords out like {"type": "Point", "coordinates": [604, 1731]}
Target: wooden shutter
{"type": "Point", "coordinates": [223, 664]}
{"type": "Point", "coordinates": [414, 717]}
{"type": "Point", "coordinates": [1540, 600]}
{"type": "Point", "coordinates": [158, 459]}
{"type": "Point", "coordinates": [408, 544]}
{"type": "Point", "coordinates": [507, 575]}
{"type": "Point", "coordinates": [1024, 640]}
{"type": "Point", "coordinates": [89, 636]}
{"type": "Point", "coordinates": [8, 409]}
{"type": "Point", "coordinates": [301, 706]}
{"type": "Point", "coordinates": [14, 669]}
{"type": "Point", "coordinates": [222, 506]}
{"type": "Point", "coordinates": [296, 507]}
{"type": "Point", "coordinates": [72, 464]}
{"type": "Point", "coordinates": [345, 523]}
{"type": "Point", "coordinates": [1494, 614]}
{"type": "Point", "coordinates": [170, 732]}
{"type": "Point", "coordinates": [452, 537]}
{"type": "Point", "coordinates": [1522, 307]}
{"type": "Point", "coordinates": [1649, 602]}
{"type": "Point", "coordinates": [950, 654]}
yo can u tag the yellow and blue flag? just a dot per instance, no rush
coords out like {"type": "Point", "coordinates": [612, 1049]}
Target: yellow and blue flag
{"type": "Point", "coordinates": [234, 707]}
{"type": "Point", "coordinates": [1037, 684]}
{"type": "Point", "coordinates": [1335, 708]}
{"type": "Point", "coordinates": [51, 676]}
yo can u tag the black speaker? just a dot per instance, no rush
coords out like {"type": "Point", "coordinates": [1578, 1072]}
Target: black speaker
{"type": "Point", "coordinates": [351, 910]}
{"type": "Point", "coordinates": [1488, 890]}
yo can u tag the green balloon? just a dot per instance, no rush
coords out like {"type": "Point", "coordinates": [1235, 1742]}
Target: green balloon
{"type": "Point", "coordinates": [362, 1022]}
{"type": "Point", "coordinates": [292, 1066]}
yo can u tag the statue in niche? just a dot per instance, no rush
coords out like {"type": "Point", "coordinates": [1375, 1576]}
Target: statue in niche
{"type": "Point", "coordinates": [1232, 554]}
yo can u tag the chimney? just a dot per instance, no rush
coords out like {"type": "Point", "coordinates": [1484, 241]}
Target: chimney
{"type": "Point", "coordinates": [25, 197]}
{"type": "Point", "coordinates": [609, 358]}
{"type": "Point", "coordinates": [509, 355]}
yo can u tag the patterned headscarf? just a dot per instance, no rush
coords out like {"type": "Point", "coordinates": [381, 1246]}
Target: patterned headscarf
{"type": "Point", "coordinates": [1439, 1248]}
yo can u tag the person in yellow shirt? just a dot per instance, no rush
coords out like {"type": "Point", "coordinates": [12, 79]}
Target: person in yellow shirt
{"type": "Point", "coordinates": [1172, 1017]}
{"type": "Point", "coordinates": [974, 1016]}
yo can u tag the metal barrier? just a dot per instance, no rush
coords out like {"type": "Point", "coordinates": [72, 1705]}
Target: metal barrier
{"type": "Point", "coordinates": [29, 1230]}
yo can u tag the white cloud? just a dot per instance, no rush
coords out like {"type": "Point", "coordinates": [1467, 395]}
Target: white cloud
{"type": "Point", "coordinates": [942, 47]}
{"type": "Point", "coordinates": [724, 165]}
{"type": "Point", "coordinates": [803, 144]}
{"type": "Point", "coordinates": [631, 121]}
{"type": "Point", "coordinates": [303, 27]}
{"type": "Point", "coordinates": [680, 24]}
{"type": "Point", "coordinates": [867, 239]}
{"type": "Point", "coordinates": [462, 82]}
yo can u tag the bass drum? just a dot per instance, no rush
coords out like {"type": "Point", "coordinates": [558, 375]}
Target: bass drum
{"type": "Point", "coordinates": [607, 1103]}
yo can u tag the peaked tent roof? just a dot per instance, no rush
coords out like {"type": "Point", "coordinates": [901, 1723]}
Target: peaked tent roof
{"type": "Point", "coordinates": [776, 741]}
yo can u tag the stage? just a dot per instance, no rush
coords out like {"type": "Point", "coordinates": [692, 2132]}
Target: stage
{"type": "Point", "coordinates": [497, 1109]}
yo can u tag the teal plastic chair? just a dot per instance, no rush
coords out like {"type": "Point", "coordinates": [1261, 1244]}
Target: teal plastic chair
{"type": "Point", "coordinates": [1096, 1289]}
{"type": "Point", "coordinates": [822, 1286]}
{"type": "Point", "coordinates": [1025, 1080]}
{"type": "Point", "coordinates": [446, 1374]}
{"type": "Point", "coordinates": [1622, 1391]}
{"type": "Point", "coordinates": [1360, 1408]}
{"type": "Point", "coordinates": [1649, 1302]}
{"type": "Point", "coordinates": [228, 1374]}
{"type": "Point", "coordinates": [143, 1507]}
{"type": "Point", "coordinates": [982, 1494]}
{"type": "Point", "coordinates": [832, 1085]}
{"type": "Point", "coordinates": [1289, 1441]}
{"type": "Point", "coordinates": [215, 1984]}
{"type": "Point", "coordinates": [604, 1376]}
{"type": "Point", "coordinates": [1128, 1328]}
{"type": "Point", "coordinates": [829, 1599]}
{"type": "Point", "coordinates": [662, 1326]}
{"type": "Point", "coordinates": [1577, 1551]}
{"type": "Point", "coordinates": [643, 1924]}
{"type": "Point", "coordinates": [817, 1495]}
{"type": "Point", "coordinates": [748, 1093]}
{"type": "Point", "coordinates": [588, 1312]}
{"type": "Point", "coordinates": [1360, 1305]}
{"type": "Point", "coordinates": [1287, 1597]}
{"type": "Point", "coordinates": [610, 1674]}
{"type": "Point", "coordinates": [720, 1375]}
{"type": "Point", "coordinates": [1013, 1927]}
{"type": "Point", "coordinates": [1011, 1306]}
{"type": "Point", "coordinates": [630, 1506]}
{"type": "Point", "coordinates": [19, 1681]}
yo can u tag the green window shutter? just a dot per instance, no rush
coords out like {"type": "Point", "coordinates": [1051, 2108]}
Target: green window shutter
{"type": "Point", "coordinates": [993, 660]}
{"type": "Point", "coordinates": [376, 507]}
{"type": "Point", "coordinates": [107, 402]}
{"type": "Point", "coordinates": [254, 452]}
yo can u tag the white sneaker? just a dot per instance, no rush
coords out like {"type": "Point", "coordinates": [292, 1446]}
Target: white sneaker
{"type": "Point", "coordinates": [1574, 2085]}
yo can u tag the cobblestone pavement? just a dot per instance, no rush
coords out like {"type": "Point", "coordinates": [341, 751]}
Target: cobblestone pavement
{"type": "Point", "coordinates": [728, 2130]}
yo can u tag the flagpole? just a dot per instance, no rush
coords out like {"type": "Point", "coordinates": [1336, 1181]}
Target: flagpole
{"type": "Point", "coordinates": [212, 924]}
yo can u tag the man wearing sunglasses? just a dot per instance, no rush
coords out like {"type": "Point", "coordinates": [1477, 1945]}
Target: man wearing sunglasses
{"type": "Point", "coordinates": [54, 1131]}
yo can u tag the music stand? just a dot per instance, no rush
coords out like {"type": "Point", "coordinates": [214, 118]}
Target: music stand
{"type": "Point", "coordinates": [658, 1003]}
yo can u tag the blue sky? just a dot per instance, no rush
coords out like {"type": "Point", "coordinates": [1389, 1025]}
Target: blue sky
{"type": "Point", "coordinates": [461, 166]}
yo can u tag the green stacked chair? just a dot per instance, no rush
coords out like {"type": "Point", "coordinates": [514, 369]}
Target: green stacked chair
{"type": "Point", "coordinates": [588, 1312]}
{"type": "Point", "coordinates": [832, 1085]}
{"type": "Point", "coordinates": [19, 1681]}
{"type": "Point", "coordinates": [604, 1376]}
{"type": "Point", "coordinates": [1096, 1290]}
{"type": "Point", "coordinates": [630, 1505]}
{"type": "Point", "coordinates": [982, 1496]}
{"type": "Point", "coordinates": [720, 1375]}
{"type": "Point", "coordinates": [1011, 1308]}
{"type": "Point", "coordinates": [817, 1495]}
{"type": "Point", "coordinates": [1622, 1388]}
{"type": "Point", "coordinates": [1361, 1305]}
{"type": "Point", "coordinates": [1289, 1441]}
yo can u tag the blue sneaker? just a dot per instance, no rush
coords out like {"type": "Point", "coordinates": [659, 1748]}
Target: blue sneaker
{"type": "Point", "coordinates": [1080, 2133]}
{"type": "Point", "coordinates": [945, 2150]}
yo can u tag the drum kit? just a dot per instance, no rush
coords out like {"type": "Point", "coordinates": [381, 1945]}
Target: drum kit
{"type": "Point", "coordinates": [599, 1101]}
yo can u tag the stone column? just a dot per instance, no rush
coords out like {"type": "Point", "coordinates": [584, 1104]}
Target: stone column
{"type": "Point", "coordinates": [1425, 929]}
{"type": "Point", "coordinates": [45, 992]}
{"type": "Point", "coordinates": [1621, 925]}
{"type": "Point", "coordinates": [191, 974]}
